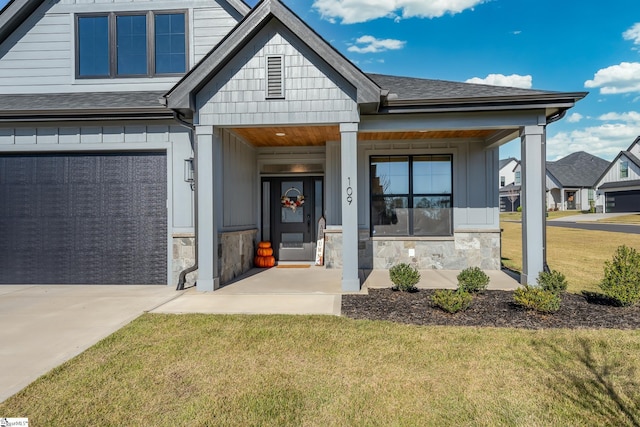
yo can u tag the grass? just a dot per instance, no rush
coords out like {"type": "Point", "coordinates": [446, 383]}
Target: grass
{"type": "Point", "coordinates": [204, 370]}
{"type": "Point", "coordinates": [578, 254]}
{"type": "Point", "coordinates": [517, 216]}
{"type": "Point", "coordinates": [624, 219]}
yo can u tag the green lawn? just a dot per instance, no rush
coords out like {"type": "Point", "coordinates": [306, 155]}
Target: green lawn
{"type": "Point", "coordinates": [578, 254]}
{"type": "Point", "coordinates": [205, 370]}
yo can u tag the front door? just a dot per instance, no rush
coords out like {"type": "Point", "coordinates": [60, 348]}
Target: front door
{"type": "Point", "coordinates": [291, 208]}
{"type": "Point", "coordinates": [571, 200]}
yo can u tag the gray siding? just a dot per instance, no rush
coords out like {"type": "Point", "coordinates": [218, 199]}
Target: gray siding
{"type": "Point", "coordinates": [240, 180]}
{"type": "Point", "coordinates": [314, 93]}
{"type": "Point", "coordinates": [39, 57]}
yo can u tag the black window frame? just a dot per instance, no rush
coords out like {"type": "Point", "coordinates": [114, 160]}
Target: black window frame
{"type": "Point", "coordinates": [410, 196]}
{"type": "Point", "coordinates": [112, 43]}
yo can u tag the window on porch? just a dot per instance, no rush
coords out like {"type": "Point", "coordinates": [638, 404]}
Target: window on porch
{"type": "Point", "coordinates": [411, 195]}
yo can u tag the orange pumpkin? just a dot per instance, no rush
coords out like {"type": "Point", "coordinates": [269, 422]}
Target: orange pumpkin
{"type": "Point", "coordinates": [264, 244]}
{"type": "Point", "coordinates": [264, 261]}
{"type": "Point", "coordinates": [265, 251]}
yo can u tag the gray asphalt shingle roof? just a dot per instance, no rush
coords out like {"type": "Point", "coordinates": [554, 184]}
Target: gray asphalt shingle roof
{"type": "Point", "coordinates": [578, 169]}
{"type": "Point", "coordinates": [414, 88]}
{"type": "Point", "coordinates": [81, 101]}
{"type": "Point", "coordinates": [505, 162]}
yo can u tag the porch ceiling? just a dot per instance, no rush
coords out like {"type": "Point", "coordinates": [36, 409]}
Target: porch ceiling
{"type": "Point", "coordinates": [291, 136]}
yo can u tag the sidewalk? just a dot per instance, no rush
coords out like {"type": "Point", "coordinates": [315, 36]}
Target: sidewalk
{"type": "Point", "coordinates": [589, 217]}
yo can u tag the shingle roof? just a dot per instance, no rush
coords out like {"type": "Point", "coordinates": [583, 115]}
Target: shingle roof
{"type": "Point", "coordinates": [620, 184]}
{"type": "Point", "coordinates": [81, 101]}
{"type": "Point", "coordinates": [578, 169]}
{"type": "Point", "coordinates": [414, 88]}
{"type": "Point", "coordinates": [505, 162]}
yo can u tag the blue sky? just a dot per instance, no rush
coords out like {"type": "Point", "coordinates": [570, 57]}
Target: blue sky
{"type": "Point", "coordinates": [570, 45]}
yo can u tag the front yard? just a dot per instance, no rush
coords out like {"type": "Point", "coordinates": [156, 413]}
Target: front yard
{"type": "Point", "coordinates": [203, 370]}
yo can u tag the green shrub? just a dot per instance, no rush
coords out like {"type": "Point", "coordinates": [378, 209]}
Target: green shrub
{"type": "Point", "coordinates": [538, 299]}
{"type": "Point", "coordinates": [554, 281]}
{"type": "Point", "coordinates": [404, 277]}
{"type": "Point", "coordinates": [519, 209]}
{"type": "Point", "coordinates": [622, 276]}
{"type": "Point", "coordinates": [451, 301]}
{"type": "Point", "coordinates": [472, 280]}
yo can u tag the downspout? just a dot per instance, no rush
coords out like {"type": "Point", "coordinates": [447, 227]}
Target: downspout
{"type": "Point", "coordinates": [559, 115]}
{"type": "Point", "coordinates": [183, 274]}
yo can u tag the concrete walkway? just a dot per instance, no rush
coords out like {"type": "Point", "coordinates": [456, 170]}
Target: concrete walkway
{"type": "Point", "coordinates": [312, 290]}
{"type": "Point", "coordinates": [589, 217]}
{"type": "Point", "coordinates": [44, 326]}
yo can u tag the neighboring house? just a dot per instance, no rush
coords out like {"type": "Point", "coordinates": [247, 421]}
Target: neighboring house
{"type": "Point", "coordinates": [571, 181]}
{"type": "Point", "coordinates": [509, 184]}
{"type": "Point", "coordinates": [619, 185]}
{"type": "Point", "coordinates": [96, 175]}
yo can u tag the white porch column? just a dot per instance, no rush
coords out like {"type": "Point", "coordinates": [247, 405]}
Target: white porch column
{"type": "Point", "coordinates": [533, 153]}
{"type": "Point", "coordinates": [563, 207]}
{"type": "Point", "coordinates": [208, 279]}
{"type": "Point", "coordinates": [349, 196]}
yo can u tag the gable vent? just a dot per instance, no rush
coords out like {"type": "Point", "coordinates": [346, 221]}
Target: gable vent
{"type": "Point", "coordinates": [275, 82]}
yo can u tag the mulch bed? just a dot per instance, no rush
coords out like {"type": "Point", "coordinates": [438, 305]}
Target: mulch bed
{"type": "Point", "coordinates": [491, 308]}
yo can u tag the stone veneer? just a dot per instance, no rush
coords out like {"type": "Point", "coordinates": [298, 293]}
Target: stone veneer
{"type": "Point", "coordinates": [184, 256]}
{"type": "Point", "coordinates": [464, 249]}
{"type": "Point", "coordinates": [237, 249]}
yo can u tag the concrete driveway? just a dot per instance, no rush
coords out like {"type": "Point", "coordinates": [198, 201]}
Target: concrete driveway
{"type": "Point", "coordinates": [44, 326]}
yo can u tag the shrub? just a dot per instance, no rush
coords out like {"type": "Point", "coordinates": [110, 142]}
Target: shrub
{"type": "Point", "coordinates": [554, 281]}
{"type": "Point", "coordinates": [404, 277]}
{"type": "Point", "coordinates": [622, 276]}
{"type": "Point", "coordinates": [538, 299]}
{"type": "Point", "coordinates": [519, 209]}
{"type": "Point", "coordinates": [472, 280]}
{"type": "Point", "coordinates": [451, 301]}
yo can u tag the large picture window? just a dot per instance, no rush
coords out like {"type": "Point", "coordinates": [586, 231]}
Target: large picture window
{"type": "Point", "coordinates": [129, 45]}
{"type": "Point", "coordinates": [411, 195]}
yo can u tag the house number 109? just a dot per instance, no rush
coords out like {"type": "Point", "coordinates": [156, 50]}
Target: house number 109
{"type": "Point", "coordinates": [349, 192]}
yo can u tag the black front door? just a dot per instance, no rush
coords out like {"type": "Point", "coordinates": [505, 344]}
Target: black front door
{"type": "Point", "coordinates": [292, 207]}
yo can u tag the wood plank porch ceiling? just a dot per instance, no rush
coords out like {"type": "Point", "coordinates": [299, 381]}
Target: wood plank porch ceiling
{"type": "Point", "coordinates": [318, 135]}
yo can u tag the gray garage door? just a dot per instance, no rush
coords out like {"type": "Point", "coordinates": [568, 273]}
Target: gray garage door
{"type": "Point", "coordinates": [623, 201]}
{"type": "Point", "coordinates": [83, 218]}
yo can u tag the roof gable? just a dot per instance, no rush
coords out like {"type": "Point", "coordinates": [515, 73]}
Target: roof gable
{"type": "Point", "coordinates": [578, 169]}
{"type": "Point", "coordinates": [181, 96]}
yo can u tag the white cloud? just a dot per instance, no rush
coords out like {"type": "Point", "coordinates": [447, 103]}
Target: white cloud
{"type": "Point", "coordinates": [370, 44]}
{"type": "Point", "coordinates": [633, 33]}
{"type": "Point", "coordinates": [621, 78]}
{"type": "Point", "coordinates": [514, 80]}
{"type": "Point", "coordinates": [605, 140]}
{"type": "Point", "coordinates": [355, 11]}
{"type": "Point", "coordinates": [575, 118]}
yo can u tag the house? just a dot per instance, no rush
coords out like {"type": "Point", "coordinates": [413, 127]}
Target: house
{"type": "Point", "coordinates": [509, 185]}
{"type": "Point", "coordinates": [571, 181]}
{"type": "Point", "coordinates": [102, 183]}
{"type": "Point", "coordinates": [618, 187]}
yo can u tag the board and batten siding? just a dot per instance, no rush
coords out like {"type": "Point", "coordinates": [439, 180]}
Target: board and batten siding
{"type": "Point", "coordinates": [313, 92]}
{"type": "Point", "coordinates": [613, 173]}
{"type": "Point", "coordinates": [174, 139]}
{"type": "Point", "coordinates": [239, 183]}
{"type": "Point", "coordinates": [39, 57]}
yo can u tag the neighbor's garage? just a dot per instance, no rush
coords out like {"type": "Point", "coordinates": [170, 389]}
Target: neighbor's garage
{"type": "Point", "coordinates": [83, 218]}
{"type": "Point", "coordinates": [622, 201]}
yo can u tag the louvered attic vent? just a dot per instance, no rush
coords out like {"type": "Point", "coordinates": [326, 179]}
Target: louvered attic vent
{"type": "Point", "coordinates": [275, 72]}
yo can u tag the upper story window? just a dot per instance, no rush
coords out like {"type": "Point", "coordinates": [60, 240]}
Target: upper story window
{"type": "Point", "coordinates": [517, 178]}
{"type": "Point", "coordinates": [624, 169]}
{"type": "Point", "coordinates": [411, 195]}
{"type": "Point", "coordinates": [502, 181]}
{"type": "Point", "coordinates": [131, 44]}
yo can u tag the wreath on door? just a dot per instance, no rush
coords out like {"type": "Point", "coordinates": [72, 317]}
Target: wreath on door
{"type": "Point", "coordinates": [291, 200]}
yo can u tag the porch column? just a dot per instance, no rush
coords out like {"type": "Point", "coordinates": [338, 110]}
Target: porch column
{"type": "Point", "coordinates": [533, 153]}
{"type": "Point", "coordinates": [562, 205]}
{"type": "Point", "coordinates": [349, 196]}
{"type": "Point", "coordinates": [208, 279]}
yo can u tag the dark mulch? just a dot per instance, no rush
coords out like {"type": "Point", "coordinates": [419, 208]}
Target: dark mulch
{"type": "Point", "coordinates": [491, 308]}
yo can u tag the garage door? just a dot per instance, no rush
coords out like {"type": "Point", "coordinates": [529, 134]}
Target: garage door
{"type": "Point", "coordinates": [623, 201]}
{"type": "Point", "coordinates": [83, 218]}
